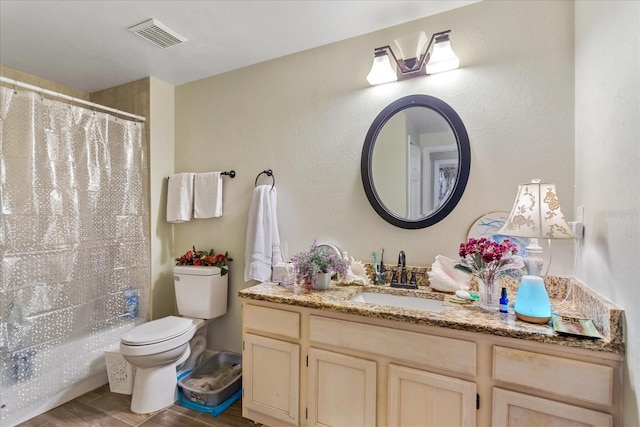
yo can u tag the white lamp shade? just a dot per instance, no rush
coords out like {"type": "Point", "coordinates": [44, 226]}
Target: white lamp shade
{"type": "Point", "coordinates": [442, 58]}
{"type": "Point", "coordinates": [536, 214]}
{"type": "Point", "coordinates": [381, 71]}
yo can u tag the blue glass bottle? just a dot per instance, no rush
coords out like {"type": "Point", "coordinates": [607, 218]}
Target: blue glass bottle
{"type": "Point", "coordinates": [504, 301]}
{"type": "Point", "coordinates": [130, 303]}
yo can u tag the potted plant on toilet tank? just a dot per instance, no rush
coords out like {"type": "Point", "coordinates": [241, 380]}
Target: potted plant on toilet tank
{"type": "Point", "coordinates": [314, 268]}
{"type": "Point", "coordinates": [201, 282]}
{"type": "Point", "coordinates": [206, 259]}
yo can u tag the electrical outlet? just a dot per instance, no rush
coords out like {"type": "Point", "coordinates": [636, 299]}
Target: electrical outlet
{"type": "Point", "coordinates": [577, 228]}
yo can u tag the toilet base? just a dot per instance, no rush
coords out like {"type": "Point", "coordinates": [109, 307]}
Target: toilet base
{"type": "Point", "coordinates": [155, 388]}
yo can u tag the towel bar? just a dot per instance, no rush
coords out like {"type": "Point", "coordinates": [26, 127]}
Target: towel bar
{"type": "Point", "coordinates": [231, 174]}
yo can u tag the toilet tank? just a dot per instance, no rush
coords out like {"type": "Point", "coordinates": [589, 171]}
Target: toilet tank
{"type": "Point", "coordinates": [201, 292]}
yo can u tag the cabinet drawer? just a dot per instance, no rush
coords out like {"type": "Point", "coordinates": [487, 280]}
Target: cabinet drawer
{"type": "Point", "coordinates": [520, 410]}
{"type": "Point", "coordinates": [271, 320]}
{"type": "Point", "coordinates": [563, 377]}
{"type": "Point", "coordinates": [438, 352]}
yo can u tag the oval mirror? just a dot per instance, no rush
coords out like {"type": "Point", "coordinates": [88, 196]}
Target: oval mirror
{"type": "Point", "coordinates": [415, 161]}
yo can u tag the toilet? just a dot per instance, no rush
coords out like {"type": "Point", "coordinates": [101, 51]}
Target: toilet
{"type": "Point", "coordinates": [157, 348]}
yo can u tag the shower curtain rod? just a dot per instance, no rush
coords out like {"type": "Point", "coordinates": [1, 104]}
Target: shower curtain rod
{"type": "Point", "coordinates": [68, 98]}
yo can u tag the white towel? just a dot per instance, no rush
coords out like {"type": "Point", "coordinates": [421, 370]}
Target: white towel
{"type": "Point", "coordinates": [262, 250]}
{"type": "Point", "coordinates": [180, 197]}
{"type": "Point", "coordinates": [207, 195]}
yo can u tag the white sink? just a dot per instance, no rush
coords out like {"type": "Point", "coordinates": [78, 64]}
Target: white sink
{"type": "Point", "coordinates": [414, 303]}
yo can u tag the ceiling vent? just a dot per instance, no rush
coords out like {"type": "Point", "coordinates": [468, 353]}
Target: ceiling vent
{"type": "Point", "coordinates": [157, 33]}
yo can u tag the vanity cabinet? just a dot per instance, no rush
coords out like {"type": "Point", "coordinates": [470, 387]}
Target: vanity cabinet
{"type": "Point", "coordinates": [271, 365]}
{"type": "Point", "coordinates": [307, 366]}
{"type": "Point", "coordinates": [410, 394]}
{"type": "Point", "coordinates": [342, 390]}
{"type": "Point", "coordinates": [271, 377]}
{"type": "Point", "coordinates": [421, 398]}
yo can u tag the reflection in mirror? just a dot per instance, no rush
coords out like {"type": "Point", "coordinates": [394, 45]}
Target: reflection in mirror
{"type": "Point", "coordinates": [415, 161]}
{"type": "Point", "coordinates": [416, 180]}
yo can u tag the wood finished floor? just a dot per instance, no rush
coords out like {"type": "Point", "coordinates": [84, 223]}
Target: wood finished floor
{"type": "Point", "coordinates": [101, 408]}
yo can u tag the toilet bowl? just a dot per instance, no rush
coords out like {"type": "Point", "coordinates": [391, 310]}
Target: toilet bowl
{"type": "Point", "coordinates": [157, 348]}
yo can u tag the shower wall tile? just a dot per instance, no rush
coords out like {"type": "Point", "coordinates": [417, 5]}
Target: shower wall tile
{"type": "Point", "coordinates": [15, 74]}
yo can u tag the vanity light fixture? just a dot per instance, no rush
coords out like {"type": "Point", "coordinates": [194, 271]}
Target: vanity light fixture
{"type": "Point", "coordinates": [442, 58]}
{"type": "Point", "coordinates": [536, 214]}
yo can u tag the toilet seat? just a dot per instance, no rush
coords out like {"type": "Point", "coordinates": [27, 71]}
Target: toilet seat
{"type": "Point", "coordinates": [157, 330]}
{"type": "Point", "coordinates": [157, 336]}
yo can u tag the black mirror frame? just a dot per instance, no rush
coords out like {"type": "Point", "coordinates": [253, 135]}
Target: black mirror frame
{"type": "Point", "coordinates": [464, 159]}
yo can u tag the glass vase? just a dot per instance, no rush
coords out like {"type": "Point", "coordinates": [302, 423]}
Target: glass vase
{"type": "Point", "coordinates": [489, 291]}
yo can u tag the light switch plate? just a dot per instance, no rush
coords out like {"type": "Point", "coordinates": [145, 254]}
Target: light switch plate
{"type": "Point", "coordinates": [580, 214]}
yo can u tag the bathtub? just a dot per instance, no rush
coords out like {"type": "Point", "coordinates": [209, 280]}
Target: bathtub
{"type": "Point", "coordinates": [61, 371]}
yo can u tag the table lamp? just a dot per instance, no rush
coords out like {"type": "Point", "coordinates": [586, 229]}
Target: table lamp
{"type": "Point", "coordinates": [536, 214]}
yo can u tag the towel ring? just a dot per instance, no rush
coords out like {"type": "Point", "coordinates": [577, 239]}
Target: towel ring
{"type": "Point", "coordinates": [268, 172]}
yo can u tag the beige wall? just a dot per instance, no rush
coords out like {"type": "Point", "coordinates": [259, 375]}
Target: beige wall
{"type": "Point", "coordinates": [607, 58]}
{"type": "Point", "coordinates": [161, 157]}
{"type": "Point", "coordinates": [306, 115]}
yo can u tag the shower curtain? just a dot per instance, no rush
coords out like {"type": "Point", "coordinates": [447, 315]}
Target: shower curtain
{"type": "Point", "coordinates": [74, 237]}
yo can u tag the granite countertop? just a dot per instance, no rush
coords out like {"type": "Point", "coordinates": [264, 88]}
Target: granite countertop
{"type": "Point", "coordinates": [467, 317]}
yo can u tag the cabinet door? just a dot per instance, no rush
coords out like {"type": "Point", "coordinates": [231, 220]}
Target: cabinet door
{"type": "Point", "coordinates": [270, 377]}
{"type": "Point", "coordinates": [420, 398]}
{"type": "Point", "coordinates": [342, 390]}
{"type": "Point", "coordinates": [521, 410]}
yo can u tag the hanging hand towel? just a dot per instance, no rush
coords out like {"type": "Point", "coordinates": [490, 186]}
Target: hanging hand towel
{"type": "Point", "coordinates": [262, 250]}
{"type": "Point", "coordinates": [207, 195]}
{"type": "Point", "coordinates": [180, 197]}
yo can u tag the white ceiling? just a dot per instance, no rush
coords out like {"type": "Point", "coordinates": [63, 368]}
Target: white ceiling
{"type": "Point", "coordinates": [86, 44]}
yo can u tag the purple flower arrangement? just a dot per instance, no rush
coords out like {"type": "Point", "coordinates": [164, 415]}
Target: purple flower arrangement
{"type": "Point", "coordinates": [318, 259]}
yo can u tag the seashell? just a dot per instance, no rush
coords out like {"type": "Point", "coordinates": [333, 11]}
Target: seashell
{"type": "Point", "coordinates": [357, 273]}
{"type": "Point", "coordinates": [357, 268]}
{"type": "Point", "coordinates": [445, 277]}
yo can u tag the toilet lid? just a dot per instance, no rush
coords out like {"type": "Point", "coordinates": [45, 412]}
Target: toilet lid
{"type": "Point", "coordinates": [157, 330]}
